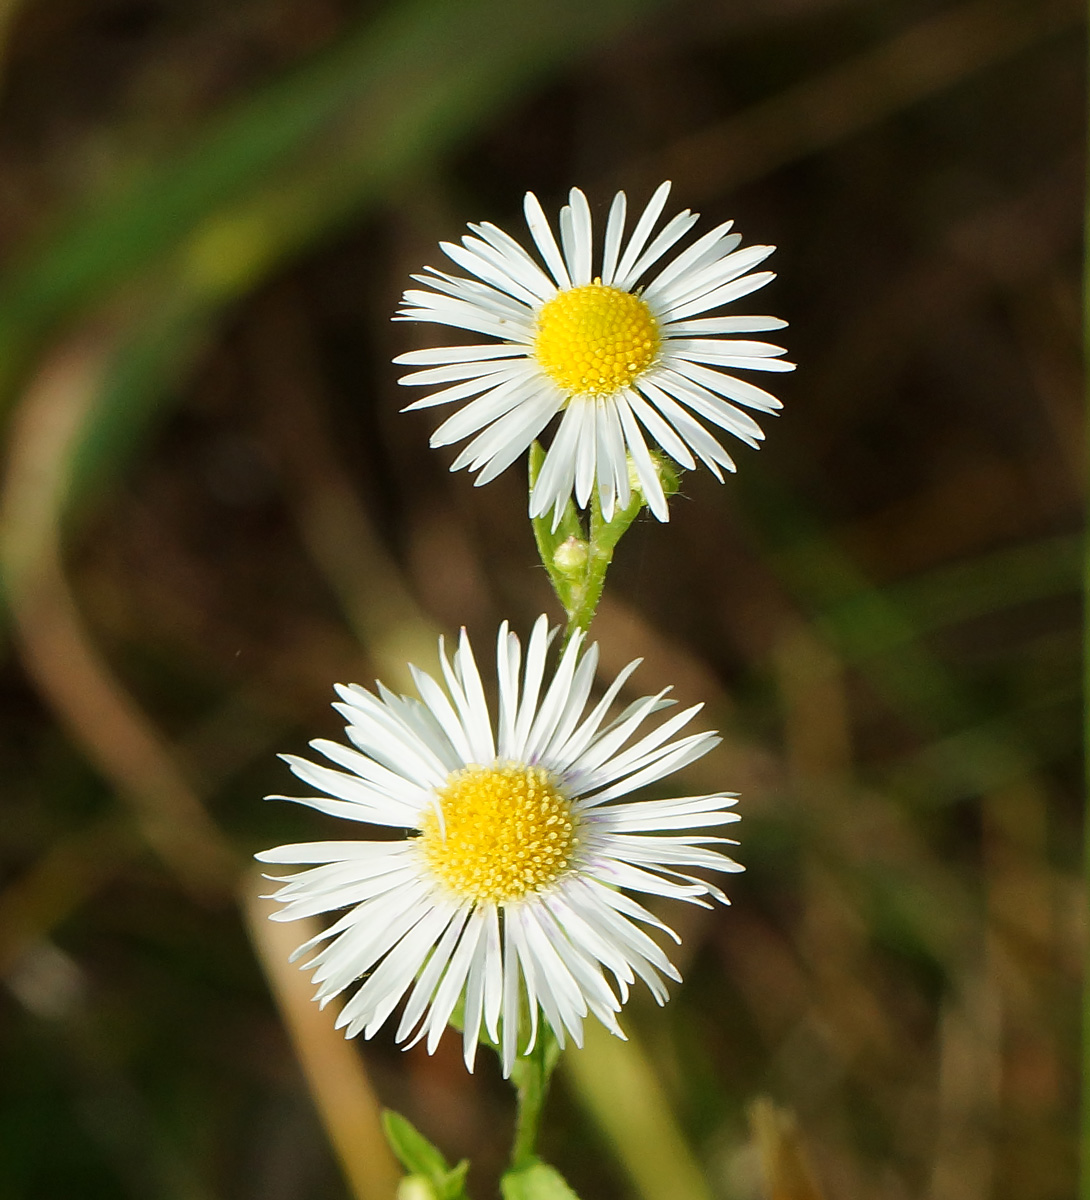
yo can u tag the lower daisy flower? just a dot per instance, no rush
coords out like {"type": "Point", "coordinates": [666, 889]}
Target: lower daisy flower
{"type": "Point", "coordinates": [514, 877]}
{"type": "Point", "coordinates": [622, 357]}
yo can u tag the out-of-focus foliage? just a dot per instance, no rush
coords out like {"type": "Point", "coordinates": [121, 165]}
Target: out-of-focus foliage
{"type": "Point", "coordinates": [211, 510]}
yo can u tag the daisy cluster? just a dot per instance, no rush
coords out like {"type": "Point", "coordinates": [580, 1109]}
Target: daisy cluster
{"type": "Point", "coordinates": [504, 892]}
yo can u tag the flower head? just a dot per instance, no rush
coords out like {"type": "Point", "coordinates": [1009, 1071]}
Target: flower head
{"type": "Point", "coordinates": [521, 850]}
{"type": "Point", "coordinates": [619, 358]}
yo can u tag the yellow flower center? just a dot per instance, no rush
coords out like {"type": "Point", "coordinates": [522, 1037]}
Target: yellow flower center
{"type": "Point", "coordinates": [501, 832]}
{"type": "Point", "coordinates": [595, 339]}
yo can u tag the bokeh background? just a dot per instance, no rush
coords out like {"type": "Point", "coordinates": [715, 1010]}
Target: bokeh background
{"type": "Point", "coordinates": [211, 510]}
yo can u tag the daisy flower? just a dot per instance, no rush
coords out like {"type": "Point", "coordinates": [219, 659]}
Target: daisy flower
{"type": "Point", "coordinates": [619, 358]}
{"type": "Point", "coordinates": [521, 850]}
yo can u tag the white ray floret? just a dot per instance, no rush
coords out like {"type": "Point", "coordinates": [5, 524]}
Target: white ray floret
{"type": "Point", "coordinates": [520, 828]}
{"type": "Point", "coordinates": [620, 357]}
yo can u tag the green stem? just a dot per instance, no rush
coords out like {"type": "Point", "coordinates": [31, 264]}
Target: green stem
{"type": "Point", "coordinates": [604, 536]}
{"type": "Point", "coordinates": [577, 564]}
{"type": "Point", "coordinates": [531, 1074]}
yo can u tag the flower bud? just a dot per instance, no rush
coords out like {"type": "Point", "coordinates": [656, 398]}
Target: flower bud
{"type": "Point", "coordinates": [570, 557]}
{"type": "Point", "coordinates": [415, 1187]}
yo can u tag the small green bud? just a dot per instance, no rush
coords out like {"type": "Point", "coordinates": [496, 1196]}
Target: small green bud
{"type": "Point", "coordinates": [667, 471]}
{"type": "Point", "coordinates": [570, 557]}
{"type": "Point", "coordinates": [669, 474]}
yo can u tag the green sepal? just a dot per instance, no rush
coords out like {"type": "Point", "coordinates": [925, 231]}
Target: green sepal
{"type": "Point", "coordinates": [537, 1181]}
{"type": "Point", "coordinates": [424, 1162]}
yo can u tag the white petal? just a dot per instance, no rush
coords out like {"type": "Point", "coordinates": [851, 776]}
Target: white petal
{"type": "Point", "coordinates": [661, 430]}
{"type": "Point", "coordinates": [485, 410]}
{"type": "Point", "coordinates": [531, 684]}
{"type": "Point", "coordinates": [493, 973]}
{"type": "Point", "coordinates": [614, 232]}
{"type": "Point", "coordinates": [463, 370]}
{"type": "Point", "coordinates": [674, 229]}
{"type": "Point", "coordinates": [532, 276]}
{"type": "Point", "coordinates": [614, 489]}
{"type": "Point", "coordinates": [538, 225]}
{"type": "Point", "coordinates": [557, 475]}
{"type": "Point", "coordinates": [477, 257]}
{"type": "Point", "coordinates": [698, 326]}
{"type": "Point", "coordinates": [326, 852]}
{"type": "Point", "coordinates": [582, 238]}
{"type": "Point", "coordinates": [554, 703]}
{"type": "Point", "coordinates": [714, 244]}
{"type": "Point", "coordinates": [377, 998]}
{"type": "Point", "coordinates": [506, 438]}
{"type": "Point", "coordinates": [565, 756]}
{"type": "Point", "coordinates": [710, 406]}
{"type": "Point", "coordinates": [424, 990]}
{"type": "Point", "coordinates": [710, 278]}
{"type": "Point", "coordinates": [477, 720]}
{"type": "Point", "coordinates": [726, 385]}
{"type": "Point", "coordinates": [444, 712]}
{"type": "Point", "coordinates": [483, 383]}
{"type": "Point", "coordinates": [643, 229]}
{"type": "Point", "coordinates": [438, 355]}
{"type": "Point", "coordinates": [476, 980]}
{"type": "Point", "coordinates": [699, 440]}
{"type": "Point", "coordinates": [690, 812]}
{"type": "Point", "coordinates": [646, 472]}
{"type": "Point", "coordinates": [578, 695]}
{"type": "Point", "coordinates": [449, 990]}
{"type": "Point", "coordinates": [510, 1005]}
{"type": "Point", "coordinates": [508, 660]}
{"type": "Point", "coordinates": [729, 292]}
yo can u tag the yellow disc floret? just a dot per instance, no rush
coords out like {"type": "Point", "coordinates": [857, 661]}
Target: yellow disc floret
{"type": "Point", "coordinates": [595, 340]}
{"type": "Point", "coordinates": [498, 833]}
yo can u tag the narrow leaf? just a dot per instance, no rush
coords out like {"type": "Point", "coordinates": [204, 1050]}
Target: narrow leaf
{"type": "Point", "coordinates": [415, 1153]}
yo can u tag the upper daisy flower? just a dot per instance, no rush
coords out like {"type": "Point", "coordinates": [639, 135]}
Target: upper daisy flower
{"type": "Point", "coordinates": [517, 849]}
{"type": "Point", "coordinates": [618, 357]}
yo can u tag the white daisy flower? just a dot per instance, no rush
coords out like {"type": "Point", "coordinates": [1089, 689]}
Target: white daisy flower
{"type": "Point", "coordinates": [514, 877]}
{"type": "Point", "coordinates": [617, 358]}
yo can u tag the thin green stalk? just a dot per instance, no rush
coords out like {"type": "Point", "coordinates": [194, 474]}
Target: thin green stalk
{"type": "Point", "coordinates": [531, 1074]}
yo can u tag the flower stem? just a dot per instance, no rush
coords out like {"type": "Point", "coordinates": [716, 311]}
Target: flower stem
{"type": "Point", "coordinates": [604, 536]}
{"type": "Point", "coordinates": [576, 562]}
{"type": "Point", "coordinates": [531, 1074]}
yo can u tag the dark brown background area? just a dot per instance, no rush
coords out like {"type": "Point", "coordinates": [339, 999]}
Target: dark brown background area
{"type": "Point", "coordinates": [212, 511]}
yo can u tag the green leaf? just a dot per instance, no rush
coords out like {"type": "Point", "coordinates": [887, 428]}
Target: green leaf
{"type": "Point", "coordinates": [538, 1181]}
{"type": "Point", "coordinates": [455, 1186]}
{"type": "Point", "coordinates": [415, 1153]}
{"type": "Point", "coordinates": [425, 1163]}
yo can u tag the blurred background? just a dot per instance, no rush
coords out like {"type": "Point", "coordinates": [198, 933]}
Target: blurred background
{"type": "Point", "coordinates": [211, 511]}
